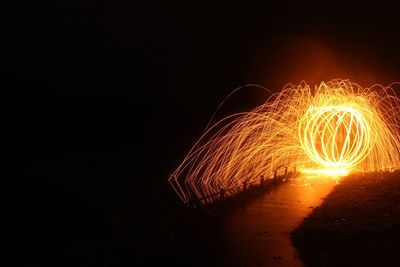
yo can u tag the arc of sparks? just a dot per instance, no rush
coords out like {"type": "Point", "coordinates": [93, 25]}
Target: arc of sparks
{"type": "Point", "coordinates": [337, 128]}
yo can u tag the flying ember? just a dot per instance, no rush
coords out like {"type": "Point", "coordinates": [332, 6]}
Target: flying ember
{"type": "Point", "coordinates": [334, 129]}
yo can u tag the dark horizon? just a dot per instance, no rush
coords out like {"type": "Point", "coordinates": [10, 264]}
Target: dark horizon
{"type": "Point", "coordinates": [105, 99]}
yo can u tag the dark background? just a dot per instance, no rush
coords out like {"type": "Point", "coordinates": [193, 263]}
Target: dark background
{"type": "Point", "coordinates": [103, 99]}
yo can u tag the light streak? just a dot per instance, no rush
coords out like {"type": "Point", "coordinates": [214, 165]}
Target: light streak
{"type": "Point", "coordinates": [337, 128]}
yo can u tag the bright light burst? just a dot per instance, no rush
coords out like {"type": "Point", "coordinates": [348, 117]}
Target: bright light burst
{"type": "Point", "coordinates": [337, 128]}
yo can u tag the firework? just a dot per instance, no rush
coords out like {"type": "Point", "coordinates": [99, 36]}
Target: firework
{"type": "Point", "coordinates": [337, 128]}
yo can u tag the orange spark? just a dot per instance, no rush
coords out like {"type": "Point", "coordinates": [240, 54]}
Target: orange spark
{"type": "Point", "coordinates": [336, 129]}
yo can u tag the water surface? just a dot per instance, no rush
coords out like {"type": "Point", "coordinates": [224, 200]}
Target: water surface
{"type": "Point", "coordinates": [257, 233]}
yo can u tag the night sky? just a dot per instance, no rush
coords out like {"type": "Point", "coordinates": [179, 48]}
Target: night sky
{"type": "Point", "coordinates": [103, 99]}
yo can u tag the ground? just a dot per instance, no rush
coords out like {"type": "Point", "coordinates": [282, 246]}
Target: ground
{"type": "Point", "coordinates": [358, 224]}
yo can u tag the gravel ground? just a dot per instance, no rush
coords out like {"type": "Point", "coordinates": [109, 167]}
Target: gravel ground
{"type": "Point", "coordinates": [358, 224]}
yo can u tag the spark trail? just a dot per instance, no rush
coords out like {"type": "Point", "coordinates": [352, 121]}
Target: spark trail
{"type": "Point", "coordinates": [337, 128]}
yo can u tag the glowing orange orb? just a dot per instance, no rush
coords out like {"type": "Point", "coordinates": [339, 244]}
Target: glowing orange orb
{"type": "Point", "coordinates": [335, 137]}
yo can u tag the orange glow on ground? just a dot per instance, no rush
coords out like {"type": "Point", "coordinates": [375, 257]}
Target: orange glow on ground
{"type": "Point", "coordinates": [330, 172]}
{"type": "Point", "coordinates": [337, 128]}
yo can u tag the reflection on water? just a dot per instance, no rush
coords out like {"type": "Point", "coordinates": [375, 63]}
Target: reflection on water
{"type": "Point", "coordinates": [258, 232]}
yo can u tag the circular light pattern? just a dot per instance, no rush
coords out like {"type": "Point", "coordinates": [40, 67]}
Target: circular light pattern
{"type": "Point", "coordinates": [335, 136]}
